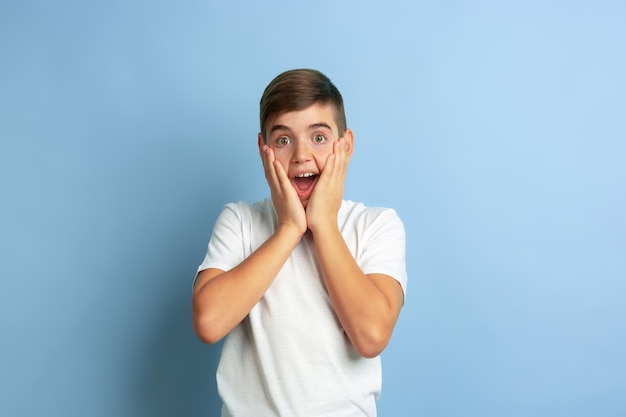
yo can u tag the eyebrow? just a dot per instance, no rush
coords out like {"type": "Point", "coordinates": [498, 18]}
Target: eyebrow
{"type": "Point", "coordinates": [279, 127]}
{"type": "Point", "coordinates": [311, 127]}
{"type": "Point", "coordinates": [320, 125]}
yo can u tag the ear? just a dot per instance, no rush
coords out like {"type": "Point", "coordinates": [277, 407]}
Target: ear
{"type": "Point", "coordinates": [260, 142]}
{"type": "Point", "coordinates": [348, 136]}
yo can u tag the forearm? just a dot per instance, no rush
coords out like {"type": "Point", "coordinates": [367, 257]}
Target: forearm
{"type": "Point", "coordinates": [222, 301]}
{"type": "Point", "coordinates": [367, 307]}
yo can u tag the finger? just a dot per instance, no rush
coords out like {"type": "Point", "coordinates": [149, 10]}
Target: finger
{"type": "Point", "coordinates": [338, 160]}
{"type": "Point", "coordinates": [268, 158]}
{"type": "Point", "coordinates": [281, 174]}
{"type": "Point", "coordinates": [343, 149]}
{"type": "Point", "coordinates": [263, 152]}
{"type": "Point", "coordinates": [343, 153]}
{"type": "Point", "coordinates": [329, 169]}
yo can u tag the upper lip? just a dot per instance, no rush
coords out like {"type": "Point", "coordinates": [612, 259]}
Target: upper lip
{"type": "Point", "coordinates": [304, 174]}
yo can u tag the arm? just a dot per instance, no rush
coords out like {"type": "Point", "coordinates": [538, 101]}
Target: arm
{"type": "Point", "coordinates": [221, 300]}
{"type": "Point", "coordinates": [367, 306]}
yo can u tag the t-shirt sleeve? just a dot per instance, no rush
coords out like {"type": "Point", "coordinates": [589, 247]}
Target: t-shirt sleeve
{"type": "Point", "coordinates": [385, 248]}
{"type": "Point", "coordinates": [226, 249]}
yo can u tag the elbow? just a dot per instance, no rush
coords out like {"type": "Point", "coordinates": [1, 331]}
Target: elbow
{"type": "Point", "coordinates": [207, 329]}
{"type": "Point", "coordinates": [371, 345]}
{"type": "Point", "coordinates": [207, 333]}
{"type": "Point", "coordinates": [370, 351]}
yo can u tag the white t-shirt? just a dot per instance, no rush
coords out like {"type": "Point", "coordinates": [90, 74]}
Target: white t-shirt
{"type": "Point", "coordinates": [290, 355]}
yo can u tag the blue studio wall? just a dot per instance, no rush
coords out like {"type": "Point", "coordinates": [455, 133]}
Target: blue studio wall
{"type": "Point", "coordinates": [496, 129]}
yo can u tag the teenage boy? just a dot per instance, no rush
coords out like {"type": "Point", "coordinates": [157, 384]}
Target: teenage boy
{"type": "Point", "coordinates": [306, 287]}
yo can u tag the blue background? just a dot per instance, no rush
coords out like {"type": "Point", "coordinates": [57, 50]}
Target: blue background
{"type": "Point", "coordinates": [496, 130]}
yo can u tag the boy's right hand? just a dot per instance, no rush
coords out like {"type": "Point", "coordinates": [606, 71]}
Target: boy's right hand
{"type": "Point", "coordinates": [287, 204]}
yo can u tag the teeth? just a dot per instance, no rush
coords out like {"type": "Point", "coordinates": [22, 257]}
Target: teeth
{"type": "Point", "coordinates": [305, 175]}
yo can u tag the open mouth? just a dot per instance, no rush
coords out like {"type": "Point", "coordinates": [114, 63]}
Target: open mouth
{"type": "Point", "coordinates": [304, 182]}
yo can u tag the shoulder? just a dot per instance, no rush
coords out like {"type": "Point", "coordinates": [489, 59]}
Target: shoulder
{"type": "Point", "coordinates": [356, 212]}
{"type": "Point", "coordinates": [250, 216]}
{"type": "Point", "coordinates": [245, 209]}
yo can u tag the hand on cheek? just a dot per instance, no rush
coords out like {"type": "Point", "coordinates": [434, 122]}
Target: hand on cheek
{"type": "Point", "coordinates": [287, 204]}
{"type": "Point", "coordinates": [323, 208]}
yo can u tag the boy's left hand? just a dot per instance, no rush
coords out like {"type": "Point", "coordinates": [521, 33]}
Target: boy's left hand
{"type": "Point", "coordinates": [325, 202]}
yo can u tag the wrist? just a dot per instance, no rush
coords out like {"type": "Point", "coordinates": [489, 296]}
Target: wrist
{"type": "Point", "coordinates": [324, 228]}
{"type": "Point", "coordinates": [289, 231]}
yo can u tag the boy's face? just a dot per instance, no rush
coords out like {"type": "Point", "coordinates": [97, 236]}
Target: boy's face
{"type": "Point", "coordinates": [302, 141]}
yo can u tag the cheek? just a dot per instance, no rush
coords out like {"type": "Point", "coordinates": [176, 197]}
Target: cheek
{"type": "Point", "coordinates": [321, 158]}
{"type": "Point", "coordinates": [322, 153]}
{"type": "Point", "coordinates": [283, 156]}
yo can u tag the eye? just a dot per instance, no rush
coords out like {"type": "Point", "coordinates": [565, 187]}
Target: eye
{"type": "Point", "coordinates": [319, 138]}
{"type": "Point", "coordinates": [283, 141]}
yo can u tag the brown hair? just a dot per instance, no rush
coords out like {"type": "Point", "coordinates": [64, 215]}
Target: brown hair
{"type": "Point", "coordinates": [298, 89]}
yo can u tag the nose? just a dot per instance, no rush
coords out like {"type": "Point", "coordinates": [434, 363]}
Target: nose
{"type": "Point", "coordinates": [302, 151]}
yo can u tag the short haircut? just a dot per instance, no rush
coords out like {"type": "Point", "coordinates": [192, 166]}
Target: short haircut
{"type": "Point", "coordinates": [299, 89]}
